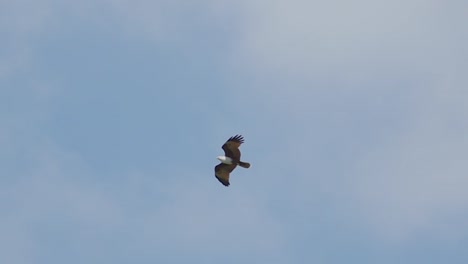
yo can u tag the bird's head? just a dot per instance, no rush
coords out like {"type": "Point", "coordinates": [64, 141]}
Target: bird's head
{"type": "Point", "coordinates": [221, 158]}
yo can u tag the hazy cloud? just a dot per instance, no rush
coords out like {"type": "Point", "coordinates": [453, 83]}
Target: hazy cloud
{"type": "Point", "coordinates": [354, 116]}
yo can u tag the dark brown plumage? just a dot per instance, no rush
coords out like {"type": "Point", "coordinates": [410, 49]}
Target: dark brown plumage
{"type": "Point", "coordinates": [230, 160]}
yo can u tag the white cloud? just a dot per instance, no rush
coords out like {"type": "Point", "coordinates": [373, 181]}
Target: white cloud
{"type": "Point", "coordinates": [297, 53]}
{"type": "Point", "coordinates": [57, 196]}
{"type": "Point", "coordinates": [42, 197]}
{"type": "Point", "coordinates": [198, 220]}
{"type": "Point", "coordinates": [20, 23]}
{"type": "Point", "coordinates": [334, 65]}
{"type": "Point", "coordinates": [304, 37]}
{"type": "Point", "coordinates": [413, 181]}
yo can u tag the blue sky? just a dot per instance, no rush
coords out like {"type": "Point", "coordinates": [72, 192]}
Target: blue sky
{"type": "Point", "coordinates": [354, 116]}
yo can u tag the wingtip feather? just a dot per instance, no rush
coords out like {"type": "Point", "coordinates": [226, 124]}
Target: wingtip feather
{"type": "Point", "coordinates": [237, 138]}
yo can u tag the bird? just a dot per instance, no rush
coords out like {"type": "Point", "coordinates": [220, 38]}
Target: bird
{"type": "Point", "coordinates": [230, 160]}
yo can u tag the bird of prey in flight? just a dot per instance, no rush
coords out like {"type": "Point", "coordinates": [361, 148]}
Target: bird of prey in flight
{"type": "Point", "coordinates": [230, 160]}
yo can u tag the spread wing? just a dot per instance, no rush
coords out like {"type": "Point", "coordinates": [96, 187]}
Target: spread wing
{"type": "Point", "coordinates": [231, 147]}
{"type": "Point", "coordinates": [222, 172]}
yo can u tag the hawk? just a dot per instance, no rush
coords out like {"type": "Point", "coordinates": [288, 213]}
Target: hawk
{"type": "Point", "coordinates": [230, 160]}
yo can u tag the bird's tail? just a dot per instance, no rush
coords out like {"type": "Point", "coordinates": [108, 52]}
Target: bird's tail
{"type": "Point", "coordinates": [244, 164]}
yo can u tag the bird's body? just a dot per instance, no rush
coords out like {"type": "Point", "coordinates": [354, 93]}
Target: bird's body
{"type": "Point", "coordinates": [225, 160]}
{"type": "Point", "coordinates": [230, 160]}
